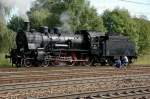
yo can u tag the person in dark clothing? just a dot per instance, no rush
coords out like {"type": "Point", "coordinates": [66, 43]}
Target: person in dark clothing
{"type": "Point", "coordinates": [118, 63]}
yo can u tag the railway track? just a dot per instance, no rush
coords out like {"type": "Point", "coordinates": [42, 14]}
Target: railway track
{"type": "Point", "coordinates": [63, 69]}
{"type": "Point", "coordinates": [45, 84]}
{"type": "Point", "coordinates": [67, 71]}
{"type": "Point", "coordinates": [66, 68]}
{"type": "Point", "coordinates": [128, 93]}
{"type": "Point", "coordinates": [59, 74]}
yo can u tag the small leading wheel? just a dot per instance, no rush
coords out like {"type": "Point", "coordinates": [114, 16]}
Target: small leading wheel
{"type": "Point", "coordinates": [45, 63]}
{"type": "Point", "coordinates": [18, 65]}
{"type": "Point", "coordinates": [18, 62]}
{"type": "Point", "coordinates": [27, 63]}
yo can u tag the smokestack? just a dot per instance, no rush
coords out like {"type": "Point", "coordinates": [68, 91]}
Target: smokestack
{"type": "Point", "coordinates": [27, 26]}
{"type": "Point", "coordinates": [45, 28]}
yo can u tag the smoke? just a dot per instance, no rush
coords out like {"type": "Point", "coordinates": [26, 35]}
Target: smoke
{"type": "Point", "coordinates": [2, 12]}
{"type": "Point", "coordinates": [64, 19]}
{"type": "Point", "coordinates": [22, 6]}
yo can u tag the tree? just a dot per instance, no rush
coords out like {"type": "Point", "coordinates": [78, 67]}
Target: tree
{"type": "Point", "coordinates": [38, 18]}
{"type": "Point", "coordinates": [79, 15]}
{"type": "Point", "coordinates": [15, 23]}
{"type": "Point", "coordinates": [8, 40]}
{"type": "Point", "coordinates": [85, 17]}
{"type": "Point", "coordinates": [46, 13]}
{"type": "Point", "coordinates": [120, 21]}
{"type": "Point", "coordinates": [144, 34]}
{"type": "Point", "coordinates": [1, 34]}
{"type": "Point", "coordinates": [6, 36]}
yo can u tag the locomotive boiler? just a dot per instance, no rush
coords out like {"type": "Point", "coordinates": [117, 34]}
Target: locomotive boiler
{"type": "Point", "coordinates": [45, 47]}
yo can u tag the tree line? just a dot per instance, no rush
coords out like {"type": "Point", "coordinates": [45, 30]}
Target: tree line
{"type": "Point", "coordinates": [76, 15]}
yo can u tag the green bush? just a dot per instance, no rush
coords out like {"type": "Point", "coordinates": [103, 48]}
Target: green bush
{"type": "Point", "coordinates": [3, 61]}
{"type": "Point", "coordinates": [143, 60]}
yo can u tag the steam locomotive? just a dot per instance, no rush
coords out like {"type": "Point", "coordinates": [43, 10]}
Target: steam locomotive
{"type": "Point", "coordinates": [46, 47]}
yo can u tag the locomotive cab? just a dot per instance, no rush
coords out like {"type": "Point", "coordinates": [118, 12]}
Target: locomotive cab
{"type": "Point", "coordinates": [97, 39]}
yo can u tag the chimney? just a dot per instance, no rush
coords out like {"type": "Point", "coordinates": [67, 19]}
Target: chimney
{"type": "Point", "coordinates": [45, 28]}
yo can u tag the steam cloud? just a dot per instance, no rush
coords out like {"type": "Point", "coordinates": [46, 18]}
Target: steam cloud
{"type": "Point", "coordinates": [64, 19]}
{"type": "Point", "coordinates": [22, 6]}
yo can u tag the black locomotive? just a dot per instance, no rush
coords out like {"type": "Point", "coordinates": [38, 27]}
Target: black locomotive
{"type": "Point", "coordinates": [45, 48]}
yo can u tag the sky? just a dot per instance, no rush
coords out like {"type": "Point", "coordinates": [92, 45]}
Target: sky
{"type": "Point", "coordinates": [135, 7]}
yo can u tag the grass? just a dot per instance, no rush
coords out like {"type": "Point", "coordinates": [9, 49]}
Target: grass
{"type": "Point", "coordinates": [3, 61]}
{"type": "Point", "coordinates": [143, 60]}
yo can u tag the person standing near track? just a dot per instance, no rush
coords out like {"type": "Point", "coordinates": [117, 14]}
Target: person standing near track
{"type": "Point", "coordinates": [125, 60]}
{"type": "Point", "coordinates": [118, 63]}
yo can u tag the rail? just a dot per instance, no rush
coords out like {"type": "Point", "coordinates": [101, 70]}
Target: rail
{"type": "Point", "coordinates": [130, 93]}
{"type": "Point", "coordinates": [45, 84]}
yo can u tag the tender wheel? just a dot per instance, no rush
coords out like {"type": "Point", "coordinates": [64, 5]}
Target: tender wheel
{"type": "Point", "coordinates": [110, 61]}
{"type": "Point", "coordinates": [103, 63]}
